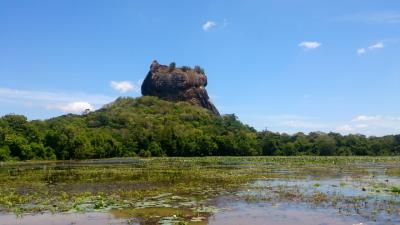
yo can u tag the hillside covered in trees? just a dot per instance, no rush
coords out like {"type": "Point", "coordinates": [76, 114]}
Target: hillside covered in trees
{"type": "Point", "coordinates": [148, 126]}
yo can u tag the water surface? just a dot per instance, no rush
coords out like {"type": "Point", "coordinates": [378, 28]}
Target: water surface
{"type": "Point", "coordinates": [211, 190]}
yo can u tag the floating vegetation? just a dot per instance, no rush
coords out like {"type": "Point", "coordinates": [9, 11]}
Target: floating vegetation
{"type": "Point", "coordinates": [396, 190]}
{"type": "Point", "coordinates": [163, 215]}
{"type": "Point", "coordinates": [186, 190]}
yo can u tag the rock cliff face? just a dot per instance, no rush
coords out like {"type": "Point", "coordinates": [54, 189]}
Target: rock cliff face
{"type": "Point", "coordinates": [178, 84]}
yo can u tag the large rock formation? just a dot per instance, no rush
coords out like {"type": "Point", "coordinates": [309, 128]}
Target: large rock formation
{"type": "Point", "coordinates": [178, 84]}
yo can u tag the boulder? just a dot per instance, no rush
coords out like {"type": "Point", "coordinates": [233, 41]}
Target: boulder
{"type": "Point", "coordinates": [178, 84]}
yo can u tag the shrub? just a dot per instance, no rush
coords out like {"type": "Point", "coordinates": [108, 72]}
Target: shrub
{"type": "Point", "coordinates": [198, 69]}
{"type": "Point", "coordinates": [186, 68]}
{"type": "Point", "coordinates": [4, 153]}
{"type": "Point", "coordinates": [155, 149]}
{"type": "Point", "coordinates": [396, 190]}
{"type": "Point", "coordinates": [144, 153]}
{"type": "Point", "coordinates": [172, 66]}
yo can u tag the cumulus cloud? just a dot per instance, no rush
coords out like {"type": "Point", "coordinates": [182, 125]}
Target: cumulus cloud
{"type": "Point", "coordinates": [208, 25]}
{"type": "Point", "coordinates": [377, 45]}
{"type": "Point", "coordinates": [283, 123]}
{"type": "Point", "coordinates": [370, 125]}
{"type": "Point", "coordinates": [377, 125]}
{"type": "Point", "coordinates": [65, 102]}
{"type": "Point", "coordinates": [309, 45]}
{"type": "Point", "coordinates": [122, 86]}
{"type": "Point", "coordinates": [361, 51]}
{"type": "Point", "coordinates": [73, 107]}
{"type": "Point", "coordinates": [352, 128]}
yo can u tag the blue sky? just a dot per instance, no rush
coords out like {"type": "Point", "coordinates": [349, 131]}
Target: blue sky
{"type": "Point", "coordinates": [284, 65]}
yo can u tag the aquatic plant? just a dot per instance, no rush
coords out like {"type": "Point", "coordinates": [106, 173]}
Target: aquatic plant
{"type": "Point", "coordinates": [192, 184]}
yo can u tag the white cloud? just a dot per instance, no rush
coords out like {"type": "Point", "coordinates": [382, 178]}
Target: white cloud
{"type": "Point", "coordinates": [365, 118]}
{"type": "Point", "coordinates": [29, 95]}
{"type": "Point", "coordinates": [65, 102]}
{"type": "Point", "coordinates": [361, 51]}
{"type": "Point", "coordinates": [310, 44]}
{"type": "Point", "coordinates": [303, 123]}
{"type": "Point", "coordinates": [123, 86]}
{"type": "Point", "coordinates": [370, 125]}
{"type": "Point", "coordinates": [74, 107]}
{"type": "Point", "coordinates": [377, 125]}
{"type": "Point", "coordinates": [208, 25]}
{"type": "Point", "coordinates": [377, 46]}
{"type": "Point", "coordinates": [361, 126]}
{"type": "Point", "coordinates": [387, 17]}
{"type": "Point", "coordinates": [283, 123]}
{"type": "Point", "coordinates": [346, 128]}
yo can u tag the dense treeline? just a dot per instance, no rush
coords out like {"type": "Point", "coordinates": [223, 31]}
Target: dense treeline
{"type": "Point", "coordinates": [147, 126]}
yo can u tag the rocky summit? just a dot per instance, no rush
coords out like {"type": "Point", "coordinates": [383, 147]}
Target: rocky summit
{"type": "Point", "coordinates": [178, 84]}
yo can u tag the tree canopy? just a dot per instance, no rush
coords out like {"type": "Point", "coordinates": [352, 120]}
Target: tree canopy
{"type": "Point", "coordinates": [148, 126]}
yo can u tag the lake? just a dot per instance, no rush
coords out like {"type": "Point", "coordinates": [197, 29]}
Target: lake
{"type": "Point", "coordinates": [208, 190]}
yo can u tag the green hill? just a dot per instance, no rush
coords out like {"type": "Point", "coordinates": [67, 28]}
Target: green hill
{"type": "Point", "coordinates": [148, 126]}
{"type": "Point", "coordinates": [145, 126]}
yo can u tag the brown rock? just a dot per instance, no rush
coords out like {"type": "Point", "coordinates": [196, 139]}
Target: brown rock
{"type": "Point", "coordinates": [178, 84]}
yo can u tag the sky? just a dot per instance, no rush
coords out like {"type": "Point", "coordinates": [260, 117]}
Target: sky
{"type": "Point", "coordinates": [281, 65]}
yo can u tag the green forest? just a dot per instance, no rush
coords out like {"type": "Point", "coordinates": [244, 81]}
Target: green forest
{"type": "Point", "coordinates": [147, 126]}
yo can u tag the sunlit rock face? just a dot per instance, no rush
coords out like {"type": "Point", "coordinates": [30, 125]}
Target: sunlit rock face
{"type": "Point", "coordinates": [178, 84]}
